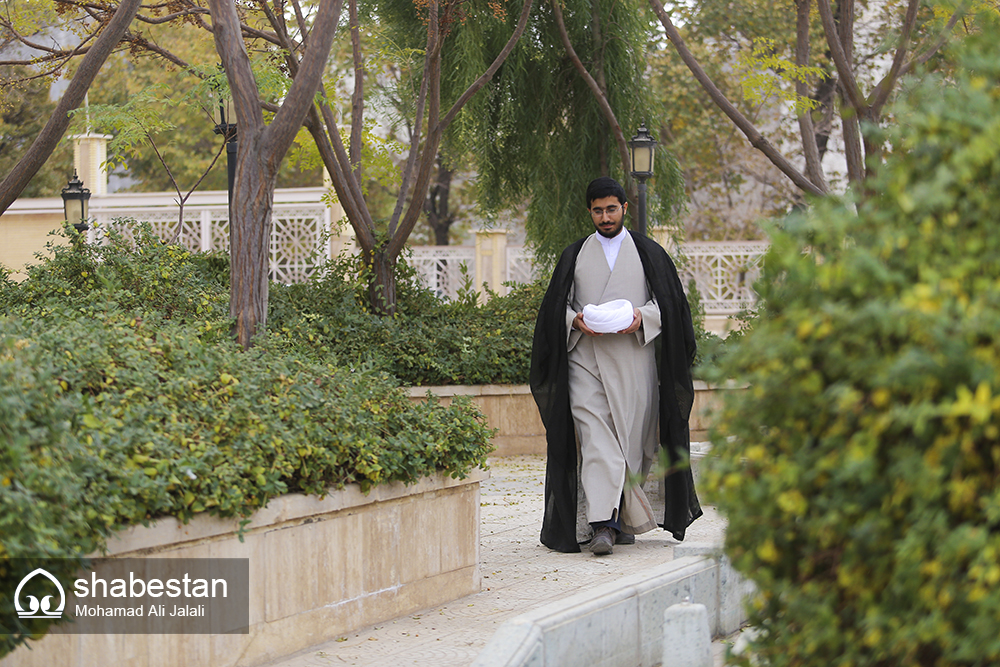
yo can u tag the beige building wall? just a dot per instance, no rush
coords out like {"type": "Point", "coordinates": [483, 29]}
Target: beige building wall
{"type": "Point", "coordinates": [22, 234]}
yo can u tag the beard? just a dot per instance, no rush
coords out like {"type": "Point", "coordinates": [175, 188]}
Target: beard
{"type": "Point", "coordinates": [610, 232]}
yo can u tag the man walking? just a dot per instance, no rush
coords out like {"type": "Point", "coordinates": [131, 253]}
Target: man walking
{"type": "Point", "coordinates": [611, 370]}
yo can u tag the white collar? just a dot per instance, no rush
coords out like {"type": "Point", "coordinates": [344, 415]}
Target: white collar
{"type": "Point", "coordinates": [611, 246]}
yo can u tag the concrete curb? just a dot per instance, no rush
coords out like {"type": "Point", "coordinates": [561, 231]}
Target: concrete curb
{"type": "Point", "coordinates": [621, 622]}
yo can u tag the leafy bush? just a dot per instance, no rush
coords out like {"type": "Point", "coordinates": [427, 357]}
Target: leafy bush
{"type": "Point", "coordinates": [121, 403]}
{"type": "Point", "coordinates": [860, 472]}
{"type": "Point", "coordinates": [709, 345]}
{"type": "Point", "coordinates": [428, 342]}
{"type": "Point", "coordinates": [133, 273]}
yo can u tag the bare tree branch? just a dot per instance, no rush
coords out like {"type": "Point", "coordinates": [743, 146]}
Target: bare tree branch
{"type": "Point", "coordinates": [54, 53]}
{"type": "Point", "coordinates": [344, 185]}
{"type": "Point", "coordinates": [411, 159]}
{"type": "Point", "coordinates": [432, 71]}
{"type": "Point", "coordinates": [160, 51]}
{"type": "Point", "coordinates": [50, 135]}
{"type": "Point", "coordinates": [280, 35]}
{"type": "Point", "coordinates": [301, 20]}
{"type": "Point", "coordinates": [308, 78]}
{"type": "Point", "coordinates": [814, 167]}
{"type": "Point", "coordinates": [333, 156]}
{"type": "Point", "coordinates": [841, 57]}
{"type": "Point", "coordinates": [851, 114]}
{"type": "Point", "coordinates": [942, 38]}
{"type": "Point", "coordinates": [880, 94]}
{"type": "Point", "coordinates": [599, 95]}
{"type": "Point", "coordinates": [358, 96]}
{"type": "Point", "coordinates": [348, 189]}
{"type": "Point", "coordinates": [160, 20]}
{"type": "Point", "coordinates": [180, 221]}
{"type": "Point", "coordinates": [756, 139]}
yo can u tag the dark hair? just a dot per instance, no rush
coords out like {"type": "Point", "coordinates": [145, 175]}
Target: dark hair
{"type": "Point", "coordinates": [604, 186]}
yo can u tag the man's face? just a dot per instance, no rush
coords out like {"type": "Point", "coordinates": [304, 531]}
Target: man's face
{"type": "Point", "coordinates": [608, 214]}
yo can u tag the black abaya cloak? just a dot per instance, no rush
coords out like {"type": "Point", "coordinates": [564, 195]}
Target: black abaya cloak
{"type": "Point", "coordinates": [675, 349]}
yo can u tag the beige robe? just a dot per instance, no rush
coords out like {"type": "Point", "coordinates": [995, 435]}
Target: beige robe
{"type": "Point", "coordinates": [613, 388]}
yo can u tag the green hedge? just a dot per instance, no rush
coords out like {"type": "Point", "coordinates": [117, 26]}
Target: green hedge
{"type": "Point", "coordinates": [860, 472]}
{"type": "Point", "coordinates": [427, 342]}
{"type": "Point", "coordinates": [122, 399]}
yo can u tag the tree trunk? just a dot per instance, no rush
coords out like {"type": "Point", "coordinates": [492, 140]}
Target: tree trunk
{"type": "Point", "coordinates": [261, 149]}
{"type": "Point", "coordinates": [382, 287]}
{"type": "Point", "coordinates": [810, 149]}
{"type": "Point", "coordinates": [250, 242]}
{"type": "Point", "coordinates": [358, 97]}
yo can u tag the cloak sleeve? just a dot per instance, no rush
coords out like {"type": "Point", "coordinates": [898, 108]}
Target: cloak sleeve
{"type": "Point", "coordinates": [650, 328]}
{"type": "Point", "coordinates": [549, 380]}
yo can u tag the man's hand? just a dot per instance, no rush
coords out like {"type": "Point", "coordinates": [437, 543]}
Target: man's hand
{"type": "Point", "coordinates": [578, 324]}
{"type": "Point", "coordinates": [636, 323]}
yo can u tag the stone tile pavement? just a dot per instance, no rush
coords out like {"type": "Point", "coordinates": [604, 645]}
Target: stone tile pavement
{"type": "Point", "coordinates": [518, 575]}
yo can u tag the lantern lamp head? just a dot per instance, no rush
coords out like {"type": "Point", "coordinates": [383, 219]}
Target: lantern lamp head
{"type": "Point", "coordinates": [76, 203]}
{"type": "Point", "coordinates": [643, 149]}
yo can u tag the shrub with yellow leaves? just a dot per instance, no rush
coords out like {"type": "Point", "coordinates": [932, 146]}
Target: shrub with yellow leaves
{"type": "Point", "coordinates": [860, 473]}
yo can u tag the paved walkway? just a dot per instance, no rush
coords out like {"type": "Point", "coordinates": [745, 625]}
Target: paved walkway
{"type": "Point", "coordinates": [519, 574]}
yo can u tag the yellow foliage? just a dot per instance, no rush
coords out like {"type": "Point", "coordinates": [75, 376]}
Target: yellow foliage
{"type": "Point", "coordinates": [792, 502]}
{"type": "Point", "coordinates": [767, 551]}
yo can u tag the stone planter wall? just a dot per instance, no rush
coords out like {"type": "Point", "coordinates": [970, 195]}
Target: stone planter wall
{"type": "Point", "coordinates": [511, 410]}
{"type": "Point", "coordinates": [319, 568]}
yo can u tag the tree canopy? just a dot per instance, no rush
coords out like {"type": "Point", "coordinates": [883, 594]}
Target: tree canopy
{"type": "Point", "coordinates": [541, 115]}
{"type": "Point", "coordinates": [541, 133]}
{"type": "Point", "coordinates": [836, 64]}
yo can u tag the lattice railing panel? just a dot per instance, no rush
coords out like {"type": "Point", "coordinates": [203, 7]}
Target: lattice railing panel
{"type": "Point", "coordinates": [296, 240]}
{"type": "Point", "coordinates": [440, 267]}
{"type": "Point", "coordinates": [296, 244]}
{"type": "Point", "coordinates": [520, 268]}
{"type": "Point", "coordinates": [164, 224]}
{"type": "Point", "coordinates": [218, 226]}
{"type": "Point", "coordinates": [723, 272]}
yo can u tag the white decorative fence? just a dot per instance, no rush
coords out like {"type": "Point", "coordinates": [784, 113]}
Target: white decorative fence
{"type": "Point", "coordinates": [444, 269]}
{"type": "Point", "coordinates": [520, 268]}
{"type": "Point", "coordinates": [300, 220]}
{"type": "Point", "coordinates": [723, 272]}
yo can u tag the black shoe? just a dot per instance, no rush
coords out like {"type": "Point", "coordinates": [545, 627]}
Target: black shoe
{"type": "Point", "coordinates": [625, 538]}
{"type": "Point", "coordinates": [603, 542]}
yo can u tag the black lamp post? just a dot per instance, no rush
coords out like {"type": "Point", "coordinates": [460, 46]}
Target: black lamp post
{"type": "Point", "coordinates": [76, 204]}
{"type": "Point", "coordinates": [225, 113]}
{"type": "Point", "coordinates": [643, 149]}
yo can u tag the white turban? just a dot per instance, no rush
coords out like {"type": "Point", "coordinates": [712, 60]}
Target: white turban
{"type": "Point", "coordinates": [610, 317]}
